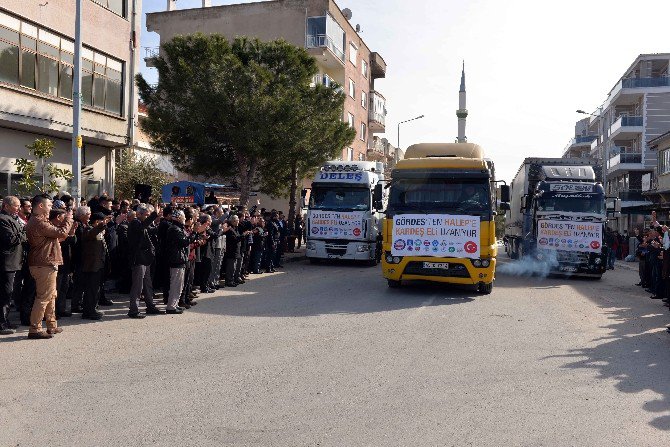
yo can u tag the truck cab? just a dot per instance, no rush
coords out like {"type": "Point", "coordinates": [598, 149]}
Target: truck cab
{"type": "Point", "coordinates": [344, 212]}
{"type": "Point", "coordinates": [558, 217]}
{"type": "Point", "coordinates": [440, 224]}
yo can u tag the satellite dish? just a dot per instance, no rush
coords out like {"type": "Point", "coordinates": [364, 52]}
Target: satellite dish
{"type": "Point", "coordinates": [347, 13]}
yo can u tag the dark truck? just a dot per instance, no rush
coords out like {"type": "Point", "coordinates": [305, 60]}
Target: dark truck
{"type": "Point", "coordinates": [558, 216]}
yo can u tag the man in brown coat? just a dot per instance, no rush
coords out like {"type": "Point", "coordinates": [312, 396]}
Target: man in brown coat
{"type": "Point", "coordinates": [44, 258]}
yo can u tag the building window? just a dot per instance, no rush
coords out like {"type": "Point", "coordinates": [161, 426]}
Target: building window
{"type": "Point", "coordinates": [353, 53]}
{"type": "Point", "coordinates": [352, 88]}
{"type": "Point", "coordinates": [351, 120]}
{"type": "Point", "coordinates": [118, 7]}
{"type": "Point", "coordinates": [40, 60]}
{"type": "Point", "coordinates": [364, 69]}
{"type": "Point", "coordinates": [664, 162]}
{"type": "Point", "coordinates": [364, 99]}
{"type": "Point", "coordinates": [350, 154]}
{"type": "Point", "coordinates": [364, 131]}
{"type": "Point", "coordinates": [361, 157]}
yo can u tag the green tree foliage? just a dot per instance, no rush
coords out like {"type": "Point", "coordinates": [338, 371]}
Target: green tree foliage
{"type": "Point", "coordinates": [49, 177]}
{"type": "Point", "coordinates": [313, 134]}
{"type": "Point", "coordinates": [224, 109]}
{"type": "Point", "coordinates": [132, 170]}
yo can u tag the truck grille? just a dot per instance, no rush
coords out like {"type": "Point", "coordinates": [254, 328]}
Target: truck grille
{"type": "Point", "coordinates": [454, 271]}
{"type": "Point", "coordinates": [336, 249]}
{"type": "Point", "coordinates": [574, 257]}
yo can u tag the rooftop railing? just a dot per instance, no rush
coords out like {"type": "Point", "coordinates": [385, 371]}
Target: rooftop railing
{"type": "Point", "coordinates": [663, 81]}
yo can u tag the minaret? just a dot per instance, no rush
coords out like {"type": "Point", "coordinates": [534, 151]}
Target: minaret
{"type": "Point", "coordinates": [462, 112]}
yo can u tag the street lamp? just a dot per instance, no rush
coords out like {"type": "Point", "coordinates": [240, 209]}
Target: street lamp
{"type": "Point", "coordinates": [402, 122]}
{"type": "Point", "coordinates": [605, 148]}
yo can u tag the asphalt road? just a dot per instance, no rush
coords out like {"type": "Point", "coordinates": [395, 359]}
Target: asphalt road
{"type": "Point", "coordinates": [327, 355]}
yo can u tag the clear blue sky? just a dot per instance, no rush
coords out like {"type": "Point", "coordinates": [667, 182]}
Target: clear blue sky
{"type": "Point", "coordinates": [529, 65]}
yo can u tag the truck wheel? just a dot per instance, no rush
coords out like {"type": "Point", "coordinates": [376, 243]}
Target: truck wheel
{"type": "Point", "coordinates": [513, 253]}
{"type": "Point", "coordinates": [314, 260]}
{"type": "Point", "coordinates": [372, 262]}
{"type": "Point", "coordinates": [485, 289]}
{"type": "Point", "coordinates": [393, 284]}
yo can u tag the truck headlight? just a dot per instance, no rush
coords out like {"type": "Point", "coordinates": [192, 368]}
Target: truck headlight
{"type": "Point", "coordinates": [310, 246]}
{"type": "Point", "coordinates": [477, 263]}
{"type": "Point", "coordinates": [363, 248]}
{"type": "Point", "coordinates": [389, 259]}
{"type": "Point", "coordinates": [485, 262]}
{"type": "Point", "coordinates": [598, 261]}
{"type": "Point", "coordinates": [396, 260]}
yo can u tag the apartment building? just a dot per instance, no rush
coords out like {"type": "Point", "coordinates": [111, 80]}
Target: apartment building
{"type": "Point", "coordinates": [318, 25]}
{"type": "Point", "coordinates": [36, 84]}
{"type": "Point", "coordinates": [579, 146]}
{"type": "Point", "coordinates": [637, 111]}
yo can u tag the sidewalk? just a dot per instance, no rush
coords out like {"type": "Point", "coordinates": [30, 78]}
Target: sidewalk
{"type": "Point", "coordinates": [626, 265]}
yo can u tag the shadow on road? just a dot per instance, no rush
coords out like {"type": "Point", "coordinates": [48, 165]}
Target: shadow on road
{"type": "Point", "coordinates": [636, 351]}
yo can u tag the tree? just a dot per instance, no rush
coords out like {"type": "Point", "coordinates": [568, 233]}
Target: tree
{"type": "Point", "coordinates": [49, 175]}
{"type": "Point", "coordinates": [313, 133]}
{"type": "Point", "coordinates": [218, 106]}
{"type": "Point", "coordinates": [132, 170]}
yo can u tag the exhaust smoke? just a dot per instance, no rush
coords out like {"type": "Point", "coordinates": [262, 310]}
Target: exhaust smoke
{"type": "Point", "coordinates": [540, 263]}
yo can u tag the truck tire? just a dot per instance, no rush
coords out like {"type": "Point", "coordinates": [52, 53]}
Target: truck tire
{"type": "Point", "coordinates": [314, 261]}
{"type": "Point", "coordinates": [513, 253]}
{"type": "Point", "coordinates": [393, 284]}
{"type": "Point", "coordinates": [485, 289]}
{"type": "Point", "coordinates": [372, 262]}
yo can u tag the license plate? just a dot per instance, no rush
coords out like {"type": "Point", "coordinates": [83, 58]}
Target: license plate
{"type": "Point", "coordinates": [334, 257]}
{"type": "Point", "coordinates": [568, 268]}
{"type": "Point", "coordinates": [436, 265]}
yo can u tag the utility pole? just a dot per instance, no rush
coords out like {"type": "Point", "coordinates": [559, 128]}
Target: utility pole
{"type": "Point", "coordinates": [76, 110]}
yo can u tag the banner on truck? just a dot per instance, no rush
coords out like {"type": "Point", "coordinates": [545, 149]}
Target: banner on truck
{"type": "Point", "coordinates": [336, 224]}
{"type": "Point", "coordinates": [570, 236]}
{"type": "Point", "coordinates": [436, 235]}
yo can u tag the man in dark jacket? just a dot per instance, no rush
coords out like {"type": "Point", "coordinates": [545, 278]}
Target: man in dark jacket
{"type": "Point", "coordinates": [233, 256]}
{"type": "Point", "coordinates": [141, 256]}
{"type": "Point", "coordinates": [177, 244]}
{"type": "Point", "coordinates": [12, 238]}
{"type": "Point", "coordinates": [162, 277]}
{"type": "Point", "coordinates": [93, 262]}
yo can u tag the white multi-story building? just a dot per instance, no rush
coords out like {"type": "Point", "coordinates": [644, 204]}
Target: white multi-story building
{"type": "Point", "coordinates": [637, 110]}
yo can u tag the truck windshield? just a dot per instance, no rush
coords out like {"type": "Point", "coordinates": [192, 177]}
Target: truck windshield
{"type": "Point", "coordinates": [340, 199]}
{"type": "Point", "coordinates": [593, 204]}
{"type": "Point", "coordinates": [440, 195]}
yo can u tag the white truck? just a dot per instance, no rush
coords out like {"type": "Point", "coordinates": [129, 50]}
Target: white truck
{"type": "Point", "coordinates": [344, 217]}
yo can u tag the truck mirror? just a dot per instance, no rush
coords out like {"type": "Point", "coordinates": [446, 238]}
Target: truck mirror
{"type": "Point", "coordinates": [504, 206]}
{"type": "Point", "coordinates": [523, 202]}
{"type": "Point", "coordinates": [377, 196]}
{"type": "Point", "coordinates": [504, 193]}
{"type": "Point", "coordinates": [617, 206]}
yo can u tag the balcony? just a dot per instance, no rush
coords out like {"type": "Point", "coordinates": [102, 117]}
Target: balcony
{"type": "Point", "coordinates": [375, 151]}
{"type": "Point", "coordinates": [632, 195]}
{"type": "Point", "coordinates": [626, 127]}
{"type": "Point", "coordinates": [627, 91]}
{"type": "Point", "coordinates": [625, 162]}
{"type": "Point", "coordinates": [377, 66]}
{"type": "Point", "coordinates": [150, 55]}
{"type": "Point", "coordinates": [377, 112]}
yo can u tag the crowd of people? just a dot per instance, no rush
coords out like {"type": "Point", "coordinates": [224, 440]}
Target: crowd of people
{"type": "Point", "coordinates": [54, 253]}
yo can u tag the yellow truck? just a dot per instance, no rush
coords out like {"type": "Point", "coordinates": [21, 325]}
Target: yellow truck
{"type": "Point", "coordinates": [440, 219]}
